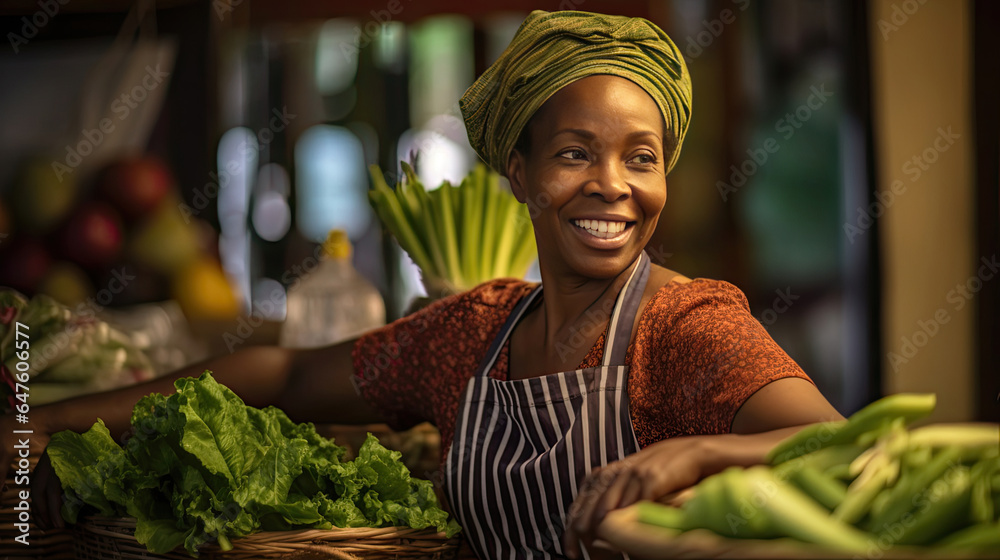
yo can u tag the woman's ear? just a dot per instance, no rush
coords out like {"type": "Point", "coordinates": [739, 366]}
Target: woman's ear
{"type": "Point", "coordinates": [516, 175]}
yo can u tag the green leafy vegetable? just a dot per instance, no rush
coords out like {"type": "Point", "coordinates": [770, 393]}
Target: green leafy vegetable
{"type": "Point", "coordinates": [201, 467]}
{"type": "Point", "coordinates": [71, 353]}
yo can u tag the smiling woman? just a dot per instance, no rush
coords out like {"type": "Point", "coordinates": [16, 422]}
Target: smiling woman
{"type": "Point", "coordinates": [620, 381]}
{"type": "Point", "coordinates": [611, 381]}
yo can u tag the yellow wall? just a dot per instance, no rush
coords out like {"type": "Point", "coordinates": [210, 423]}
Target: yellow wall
{"type": "Point", "coordinates": [921, 63]}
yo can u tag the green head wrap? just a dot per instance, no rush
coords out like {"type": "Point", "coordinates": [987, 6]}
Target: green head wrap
{"type": "Point", "coordinates": [552, 49]}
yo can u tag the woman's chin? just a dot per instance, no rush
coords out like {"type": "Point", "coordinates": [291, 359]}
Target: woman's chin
{"type": "Point", "coordinates": [603, 266]}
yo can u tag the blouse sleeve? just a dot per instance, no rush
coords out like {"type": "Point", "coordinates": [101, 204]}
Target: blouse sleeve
{"type": "Point", "coordinates": [707, 356]}
{"type": "Point", "coordinates": [413, 369]}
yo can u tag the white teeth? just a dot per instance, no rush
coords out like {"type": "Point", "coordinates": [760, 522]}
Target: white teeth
{"type": "Point", "coordinates": [600, 228]}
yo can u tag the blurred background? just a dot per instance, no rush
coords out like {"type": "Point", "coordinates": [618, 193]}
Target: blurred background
{"type": "Point", "coordinates": [176, 166]}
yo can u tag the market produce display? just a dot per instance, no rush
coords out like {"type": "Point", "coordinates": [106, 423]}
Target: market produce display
{"type": "Point", "coordinates": [200, 466]}
{"type": "Point", "coordinates": [70, 353]}
{"type": "Point", "coordinates": [123, 236]}
{"type": "Point", "coordinates": [459, 236]}
{"type": "Point", "coordinates": [864, 484]}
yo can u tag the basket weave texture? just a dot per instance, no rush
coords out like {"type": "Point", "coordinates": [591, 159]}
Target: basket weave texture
{"type": "Point", "coordinates": [103, 538]}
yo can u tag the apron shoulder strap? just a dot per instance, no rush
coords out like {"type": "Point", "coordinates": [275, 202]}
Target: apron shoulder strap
{"type": "Point", "coordinates": [498, 341]}
{"type": "Point", "coordinates": [620, 326]}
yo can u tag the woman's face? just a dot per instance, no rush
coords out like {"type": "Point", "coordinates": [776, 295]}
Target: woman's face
{"type": "Point", "coordinates": [594, 176]}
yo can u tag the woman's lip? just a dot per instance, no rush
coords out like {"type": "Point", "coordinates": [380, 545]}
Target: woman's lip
{"type": "Point", "coordinates": [604, 218]}
{"type": "Point", "coordinates": [604, 243]}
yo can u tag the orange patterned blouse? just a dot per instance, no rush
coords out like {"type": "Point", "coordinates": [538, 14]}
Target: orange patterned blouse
{"type": "Point", "coordinates": [696, 358]}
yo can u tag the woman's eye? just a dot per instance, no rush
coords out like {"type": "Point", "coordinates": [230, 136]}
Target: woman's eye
{"type": "Point", "coordinates": [644, 159]}
{"type": "Point", "coordinates": [574, 153]}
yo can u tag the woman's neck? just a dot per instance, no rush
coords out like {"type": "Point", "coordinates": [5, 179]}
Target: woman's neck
{"type": "Point", "coordinates": [574, 307]}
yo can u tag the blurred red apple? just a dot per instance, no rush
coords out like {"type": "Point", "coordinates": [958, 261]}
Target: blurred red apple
{"type": "Point", "coordinates": [135, 186]}
{"type": "Point", "coordinates": [25, 263]}
{"type": "Point", "coordinates": [93, 235]}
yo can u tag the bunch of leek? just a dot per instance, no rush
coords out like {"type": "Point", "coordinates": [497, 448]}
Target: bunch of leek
{"type": "Point", "coordinates": [460, 236]}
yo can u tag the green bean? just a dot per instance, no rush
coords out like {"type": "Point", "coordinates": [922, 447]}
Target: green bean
{"type": "Point", "coordinates": [984, 536]}
{"type": "Point", "coordinates": [661, 515]}
{"type": "Point", "coordinates": [907, 490]}
{"type": "Point", "coordinates": [971, 436]}
{"type": "Point", "coordinates": [839, 472]}
{"type": "Point", "coordinates": [807, 440]}
{"type": "Point", "coordinates": [880, 415]}
{"type": "Point", "coordinates": [797, 516]}
{"type": "Point", "coordinates": [982, 499]}
{"type": "Point", "coordinates": [707, 509]}
{"type": "Point", "coordinates": [870, 421]}
{"type": "Point", "coordinates": [824, 489]}
{"type": "Point", "coordinates": [879, 504]}
{"type": "Point", "coordinates": [945, 509]}
{"type": "Point", "coordinates": [744, 516]}
{"type": "Point", "coordinates": [860, 495]}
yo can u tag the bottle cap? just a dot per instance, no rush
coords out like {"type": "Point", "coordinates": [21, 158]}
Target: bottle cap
{"type": "Point", "coordinates": [337, 245]}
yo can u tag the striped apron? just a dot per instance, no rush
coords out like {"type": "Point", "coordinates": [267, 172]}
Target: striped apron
{"type": "Point", "coordinates": [522, 447]}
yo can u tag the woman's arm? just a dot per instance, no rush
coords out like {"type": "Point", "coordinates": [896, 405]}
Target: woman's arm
{"type": "Point", "coordinates": [773, 413]}
{"type": "Point", "coordinates": [310, 385]}
{"type": "Point", "coordinates": [790, 401]}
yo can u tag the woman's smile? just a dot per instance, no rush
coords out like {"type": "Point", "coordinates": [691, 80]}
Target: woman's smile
{"type": "Point", "coordinates": [604, 234]}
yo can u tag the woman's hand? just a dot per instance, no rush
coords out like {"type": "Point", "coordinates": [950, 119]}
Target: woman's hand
{"type": "Point", "coordinates": [659, 470]}
{"type": "Point", "coordinates": [653, 473]}
{"type": "Point", "coordinates": [773, 413]}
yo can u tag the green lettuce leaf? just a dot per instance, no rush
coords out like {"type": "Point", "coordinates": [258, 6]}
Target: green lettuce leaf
{"type": "Point", "coordinates": [83, 463]}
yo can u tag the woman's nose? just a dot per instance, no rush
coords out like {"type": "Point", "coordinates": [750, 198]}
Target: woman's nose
{"type": "Point", "coordinates": [608, 182]}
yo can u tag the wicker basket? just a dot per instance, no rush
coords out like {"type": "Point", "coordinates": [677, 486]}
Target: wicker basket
{"type": "Point", "coordinates": [103, 538]}
{"type": "Point", "coordinates": [55, 544]}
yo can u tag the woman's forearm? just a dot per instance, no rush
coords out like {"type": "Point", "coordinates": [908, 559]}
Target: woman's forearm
{"type": "Point", "coordinates": [310, 385]}
{"type": "Point", "coordinates": [744, 450]}
{"type": "Point", "coordinates": [257, 374]}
